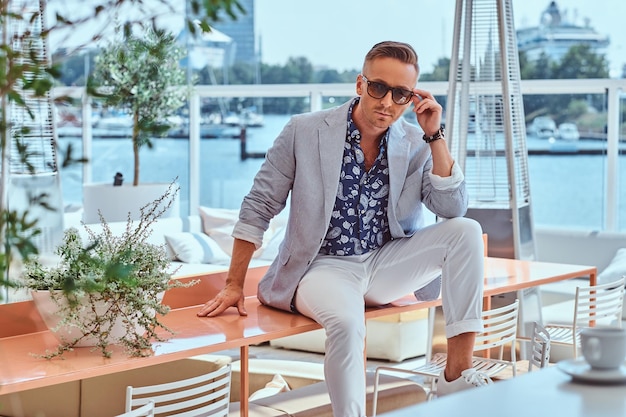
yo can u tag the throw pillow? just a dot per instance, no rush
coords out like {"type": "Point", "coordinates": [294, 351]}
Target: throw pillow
{"type": "Point", "coordinates": [195, 248]}
{"type": "Point", "coordinates": [275, 386]}
{"type": "Point", "coordinates": [616, 269]}
{"type": "Point", "coordinates": [219, 223]}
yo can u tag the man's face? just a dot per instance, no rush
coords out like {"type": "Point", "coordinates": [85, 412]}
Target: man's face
{"type": "Point", "coordinates": [379, 113]}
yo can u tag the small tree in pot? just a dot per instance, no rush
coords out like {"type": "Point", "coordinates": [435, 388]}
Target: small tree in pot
{"type": "Point", "coordinates": [142, 75]}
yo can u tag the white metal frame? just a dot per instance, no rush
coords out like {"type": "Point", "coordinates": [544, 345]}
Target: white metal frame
{"type": "Point", "coordinates": [500, 332]}
{"type": "Point", "coordinates": [146, 410]}
{"type": "Point", "coordinates": [207, 395]}
{"type": "Point", "coordinates": [614, 88]}
{"type": "Point", "coordinates": [602, 303]}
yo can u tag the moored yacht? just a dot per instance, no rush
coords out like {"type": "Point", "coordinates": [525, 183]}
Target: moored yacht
{"type": "Point", "coordinates": [556, 34]}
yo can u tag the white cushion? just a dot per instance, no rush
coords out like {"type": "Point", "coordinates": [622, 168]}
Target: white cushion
{"type": "Point", "coordinates": [219, 223]}
{"type": "Point", "coordinates": [196, 248]}
{"type": "Point", "coordinates": [616, 269]}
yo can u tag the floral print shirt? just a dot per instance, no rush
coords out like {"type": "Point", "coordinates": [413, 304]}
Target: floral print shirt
{"type": "Point", "coordinates": [359, 220]}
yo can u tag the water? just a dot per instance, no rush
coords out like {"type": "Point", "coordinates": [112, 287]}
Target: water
{"type": "Point", "coordinates": [566, 190]}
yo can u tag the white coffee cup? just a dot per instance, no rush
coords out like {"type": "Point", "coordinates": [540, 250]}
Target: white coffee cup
{"type": "Point", "coordinates": [603, 347]}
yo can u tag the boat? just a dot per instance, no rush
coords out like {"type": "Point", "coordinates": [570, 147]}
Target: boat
{"type": "Point", "coordinates": [543, 127]}
{"type": "Point", "coordinates": [555, 35]}
{"type": "Point", "coordinates": [568, 132]}
{"type": "Point", "coordinates": [247, 117]}
{"type": "Point", "coordinates": [250, 118]}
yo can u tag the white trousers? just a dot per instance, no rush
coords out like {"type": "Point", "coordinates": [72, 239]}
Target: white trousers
{"type": "Point", "coordinates": [336, 289]}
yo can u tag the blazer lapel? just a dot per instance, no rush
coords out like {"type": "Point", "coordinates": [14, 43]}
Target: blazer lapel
{"type": "Point", "coordinates": [398, 154]}
{"type": "Point", "coordinates": [332, 138]}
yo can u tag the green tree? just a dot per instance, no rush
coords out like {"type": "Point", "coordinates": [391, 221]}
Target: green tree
{"type": "Point", "coordinates": [526, 67]}
{"type": "Point", "coordinates": [298, 70]}
{"type": "Point", "coordinates": [327, 76]}
{"type": "Point", "coordinates": [242, 73]}
{"type": "Point", "coordinates": [440, 72]}
{"type": "Point", "coordinates": [581, 62]}
{"type": "Point", "coordinates": [140, 75]}
{"type": "Point", "coordinates": [542, 68]}
{"type": "Point", "coordinates": [24, 74]}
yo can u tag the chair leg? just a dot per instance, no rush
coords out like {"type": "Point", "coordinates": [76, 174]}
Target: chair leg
{"type": "Point", "coordinates": [375, 399]}
{"type": "Point", "coordinates": [430, 332]}
{"type": "Point", "coordinates": [432, 393]}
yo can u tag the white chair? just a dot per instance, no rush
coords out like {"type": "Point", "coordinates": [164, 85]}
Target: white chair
{"type": "Point", "coordinates": [146, 410]}
{"type": "Point", "coordinates": [599, 304]}
{"type": "Point", "coordinates": [206, 395]}
{"type": "Point", "coordinates": [500, 331]}
{"type": "Point", "coordinates": [539, 347]}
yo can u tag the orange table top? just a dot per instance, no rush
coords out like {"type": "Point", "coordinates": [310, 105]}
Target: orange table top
{"type": "Point", "coordinates": [21, 370]}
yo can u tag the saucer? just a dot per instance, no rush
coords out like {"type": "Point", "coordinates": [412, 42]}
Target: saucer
{"type": "Point", "coordinates": [581, 371]}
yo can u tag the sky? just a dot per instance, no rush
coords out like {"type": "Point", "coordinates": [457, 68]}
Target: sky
{"type": "Point", "coordinates": [338, 33]}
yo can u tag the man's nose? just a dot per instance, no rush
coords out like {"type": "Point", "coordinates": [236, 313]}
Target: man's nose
{"type": "Point", "coordinates": [387, 99]}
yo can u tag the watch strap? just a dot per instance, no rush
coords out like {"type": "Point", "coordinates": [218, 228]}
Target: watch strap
{"type": "Point", "coordinates": [438, 135]}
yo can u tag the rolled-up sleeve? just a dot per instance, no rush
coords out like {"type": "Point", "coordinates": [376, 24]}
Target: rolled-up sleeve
{"type": "Point", "coordinates": [447, 183]}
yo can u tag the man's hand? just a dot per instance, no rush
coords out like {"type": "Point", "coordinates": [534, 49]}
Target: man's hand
{"type": "Point", "coordinates": [229, 296]}
{"type": "Point", "coordinates": [427, 110]}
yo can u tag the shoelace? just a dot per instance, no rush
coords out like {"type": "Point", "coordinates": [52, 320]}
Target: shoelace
{"type": "Point", "coordinates": [478, 379]}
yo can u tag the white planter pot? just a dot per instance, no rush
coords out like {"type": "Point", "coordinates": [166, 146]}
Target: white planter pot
{"type": "Point", "coordinates": [115, 202]}
{"type": "Point", "coordinates": [48, 310]}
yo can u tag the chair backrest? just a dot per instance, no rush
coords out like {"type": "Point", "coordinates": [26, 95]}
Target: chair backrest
{"type": "Point", "coordinates": [602, 304]}
{"type": "Point", "coordinates": [539, 347]}
{"type": "Point", "coordinates": [146, 410]}
{"type": "Point", "coordinates": [206, 395]}
{"type": "Point", "coordinates": [500, 328]}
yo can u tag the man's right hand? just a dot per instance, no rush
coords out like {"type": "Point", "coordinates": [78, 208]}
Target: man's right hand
{"type": "Point", "coordinates": [230, 296]}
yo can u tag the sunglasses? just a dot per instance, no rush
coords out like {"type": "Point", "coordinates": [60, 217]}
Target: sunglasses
{"type": "Point", "coordinates": [380, 90]}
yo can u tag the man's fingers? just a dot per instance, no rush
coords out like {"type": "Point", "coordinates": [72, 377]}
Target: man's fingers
{"type": "Point", "coordinates": [216, 307]}
{"type": "Point", "coordinates": [241, 308]}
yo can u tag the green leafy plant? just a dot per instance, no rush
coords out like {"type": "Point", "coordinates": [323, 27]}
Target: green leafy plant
{"type": "Point", "coordinates": [25, 74]}
{"type": "Point", "coordinates": [108, 281]}
{"type": "Point", "coordinates": [142, 76]}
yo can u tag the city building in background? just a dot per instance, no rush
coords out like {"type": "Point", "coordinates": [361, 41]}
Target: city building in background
{"type": "Point", "coordinates": [242, 31]}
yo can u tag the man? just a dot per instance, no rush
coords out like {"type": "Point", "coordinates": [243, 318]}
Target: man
{"type": "Point", "coordinates": [357, 176]}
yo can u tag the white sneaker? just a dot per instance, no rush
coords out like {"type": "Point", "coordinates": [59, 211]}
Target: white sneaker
{"type": "Point", "coordinates": [469, 378]}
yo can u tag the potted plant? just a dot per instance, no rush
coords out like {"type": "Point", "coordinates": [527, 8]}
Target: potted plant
{"type": "Point", "coordinates": [107, 290]}
{"type": "Point", "coordinates": [25, 75]}
{"type": "Point", "coordinates": [141, 76]}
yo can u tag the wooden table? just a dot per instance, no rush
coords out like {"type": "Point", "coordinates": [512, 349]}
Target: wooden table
{"type": "Point", "coordinates": [545, 392]}
{"type": "Point", "coordinates": [20, 370]}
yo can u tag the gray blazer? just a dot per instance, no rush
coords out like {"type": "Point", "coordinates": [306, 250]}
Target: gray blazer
{"type": "Point", "coordinates": [304, 163]}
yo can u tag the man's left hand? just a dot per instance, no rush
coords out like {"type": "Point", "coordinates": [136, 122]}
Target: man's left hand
{"type": "Point", "coordinates": [427, 110]}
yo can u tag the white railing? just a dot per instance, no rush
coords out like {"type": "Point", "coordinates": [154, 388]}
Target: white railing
{"type": "Point", "coordinates": [613, 88]}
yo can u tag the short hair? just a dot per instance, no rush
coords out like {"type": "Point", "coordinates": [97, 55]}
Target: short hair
{"type": "Point", "coordinates": [391, 49]}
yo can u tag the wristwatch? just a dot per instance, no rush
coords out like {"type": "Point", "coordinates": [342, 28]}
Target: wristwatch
{"type": "Point", "coordinates": [438, 135]}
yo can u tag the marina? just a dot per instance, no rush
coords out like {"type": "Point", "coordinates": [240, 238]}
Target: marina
{"type": "Point", "coordinates": [226, 177]}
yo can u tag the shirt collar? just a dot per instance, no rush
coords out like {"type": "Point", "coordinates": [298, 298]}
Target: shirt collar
{"type": "Point", "coordinates": [353, 135]}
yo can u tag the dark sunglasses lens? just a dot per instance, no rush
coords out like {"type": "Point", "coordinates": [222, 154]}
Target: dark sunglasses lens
{"type": "Point", "coordinates": [377, 90]}
{"type": "Point", "coordinates": [401, 96]}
